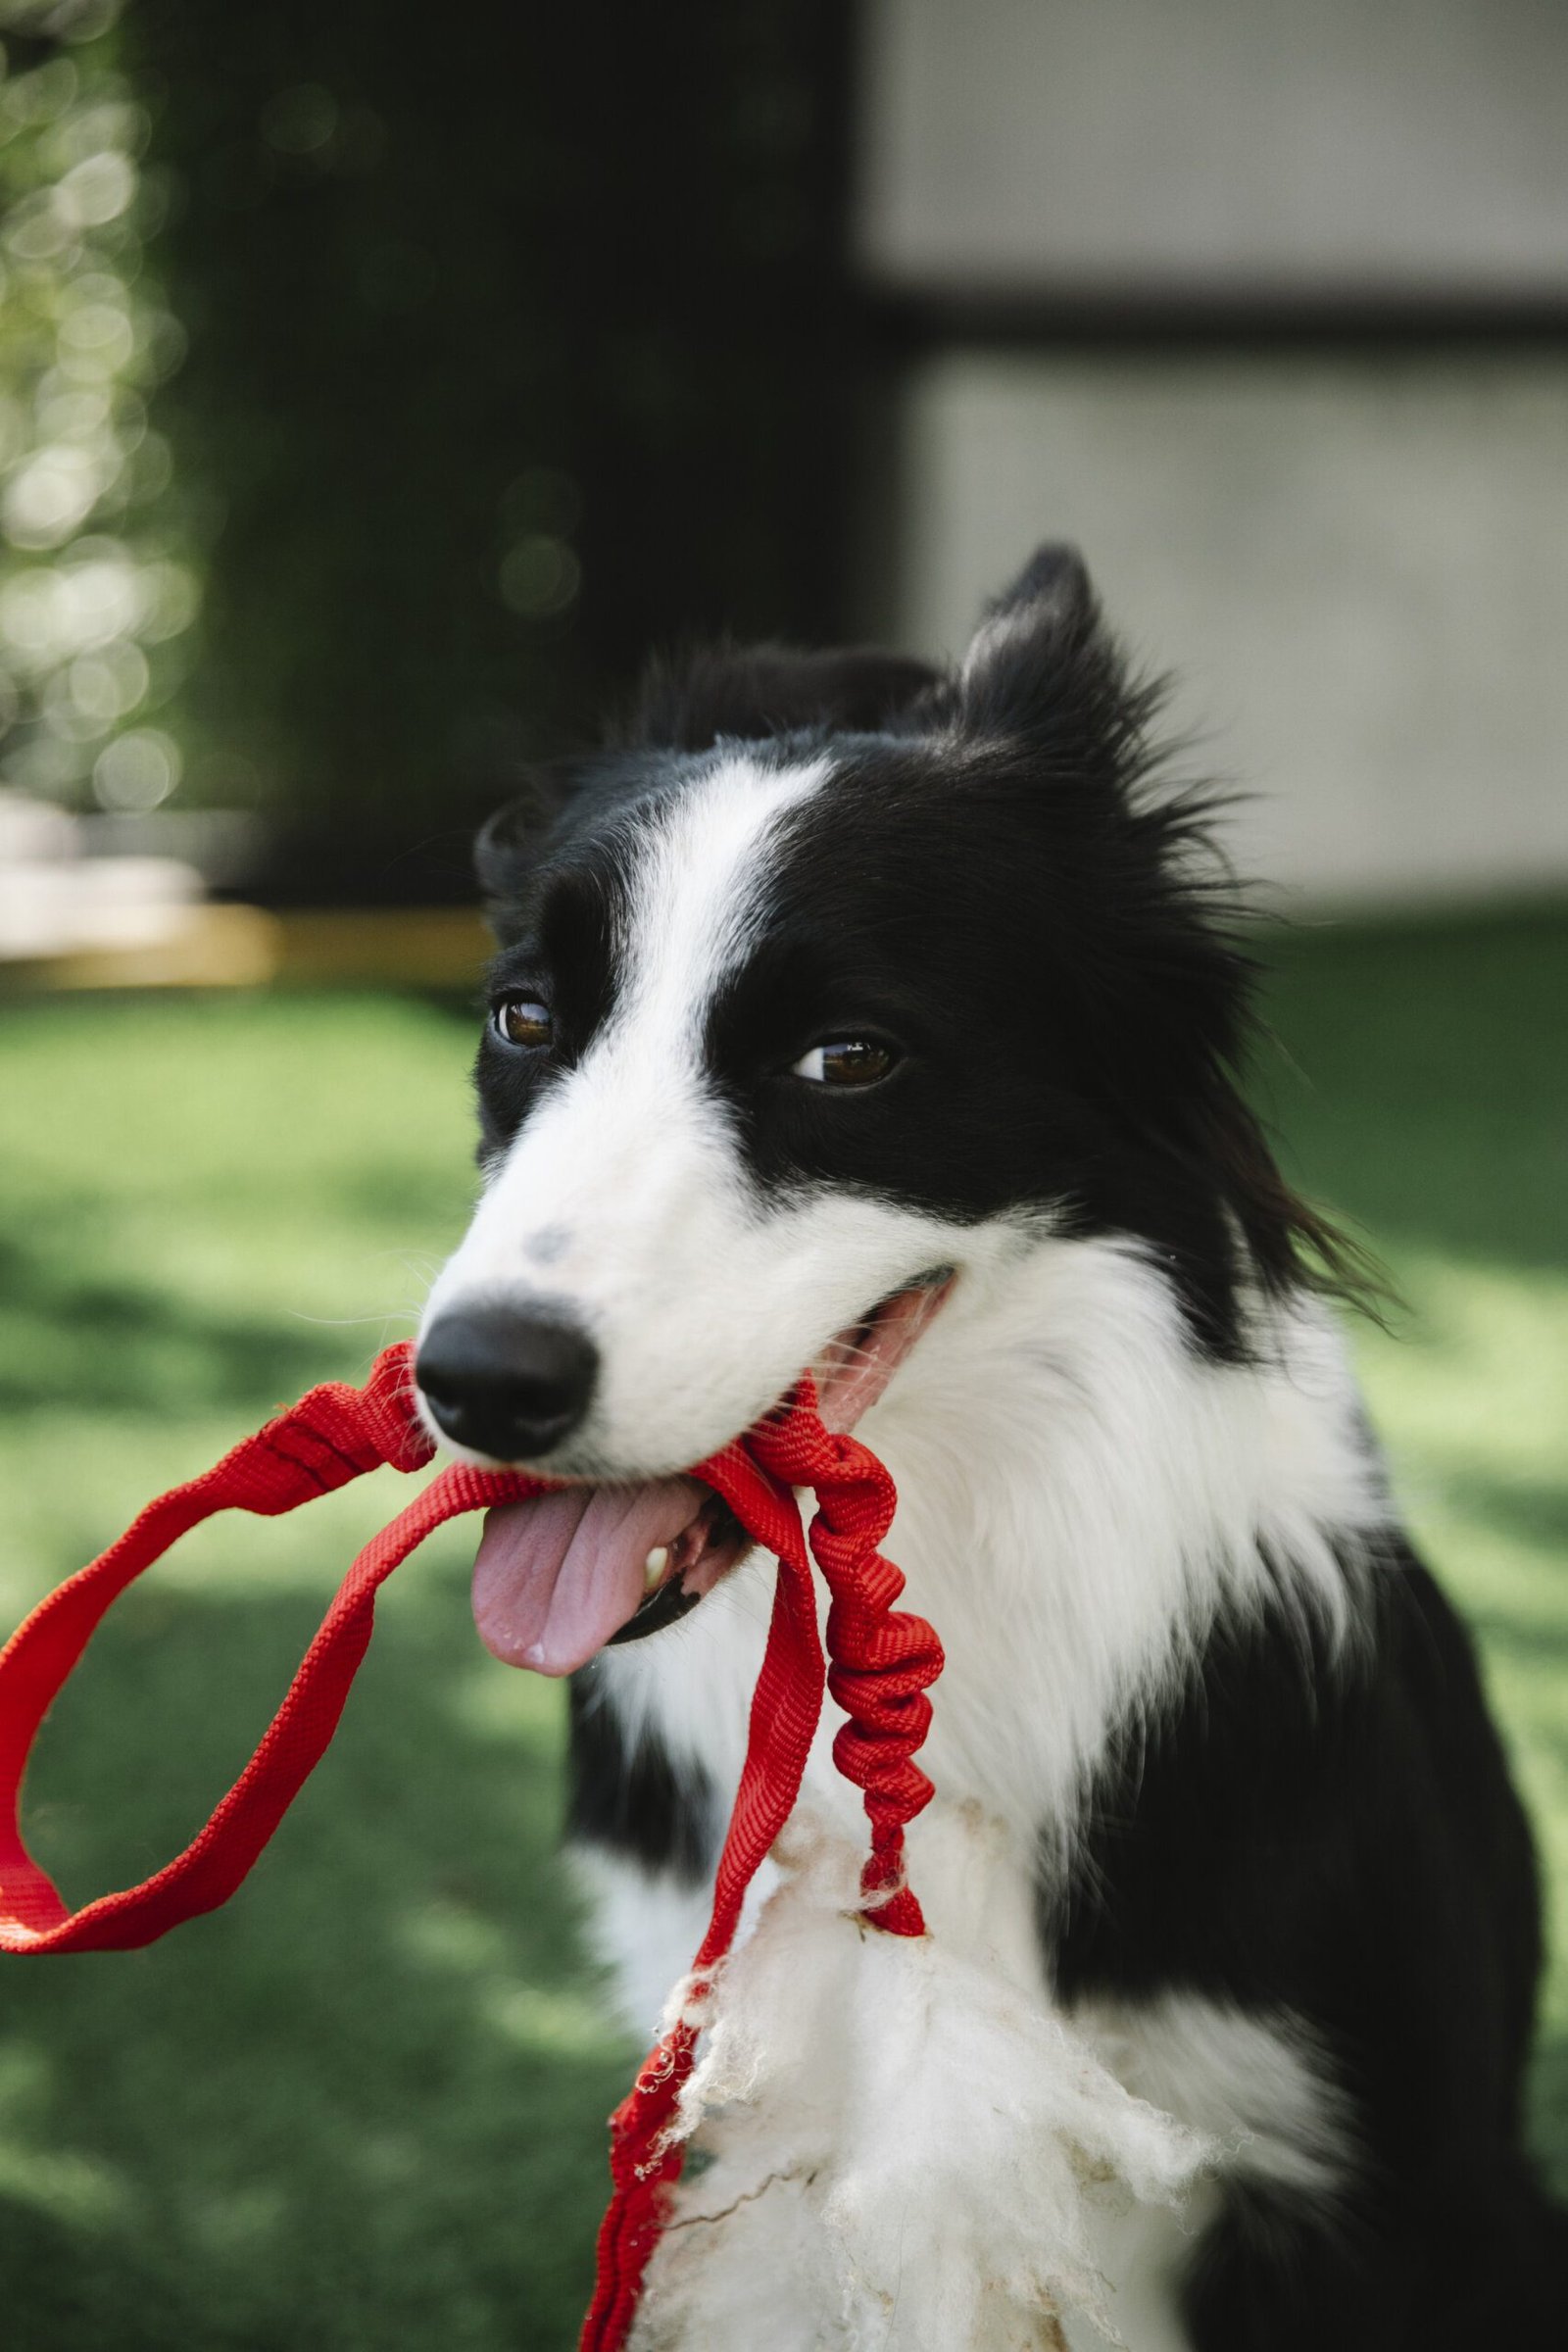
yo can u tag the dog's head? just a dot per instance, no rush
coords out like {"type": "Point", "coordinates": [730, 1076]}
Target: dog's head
{"type": "Point", "coordinates": [831, 984]}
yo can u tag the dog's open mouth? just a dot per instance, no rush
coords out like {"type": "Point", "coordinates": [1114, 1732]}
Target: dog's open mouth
{"type": "Point", "coordinates": [559, 1577]}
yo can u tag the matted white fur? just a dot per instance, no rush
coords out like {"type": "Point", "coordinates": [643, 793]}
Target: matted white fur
{"type": "Point", "coordinates": [903, 2146]}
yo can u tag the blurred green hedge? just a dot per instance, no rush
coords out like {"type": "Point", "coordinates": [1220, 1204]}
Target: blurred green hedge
{"type": "Point", "coordinates": [378, 383]}
{"type": "Point", "coordinates": [516, 343]}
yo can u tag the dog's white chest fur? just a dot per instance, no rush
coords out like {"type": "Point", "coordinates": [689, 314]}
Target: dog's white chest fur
{"type": "Point", "coordinates": [907, 2146]}
{"type": "Point", "coordinates": [899, 2143]}
{"type": "Point", "coordinates": [916, 2149]}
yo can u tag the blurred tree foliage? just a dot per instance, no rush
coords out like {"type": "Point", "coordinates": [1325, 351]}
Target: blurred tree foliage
{"type": "Point", "coordinates": [518, 339]}
{"type": "Point", "coordinates": [96, 603]}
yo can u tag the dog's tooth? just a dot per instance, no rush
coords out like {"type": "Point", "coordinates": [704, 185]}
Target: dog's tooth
{"type": "Point", "coordinates": [653, 1566]}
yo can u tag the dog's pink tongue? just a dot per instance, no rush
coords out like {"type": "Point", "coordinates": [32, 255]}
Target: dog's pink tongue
{"type": "Point", "coordinates": [557, 1576]}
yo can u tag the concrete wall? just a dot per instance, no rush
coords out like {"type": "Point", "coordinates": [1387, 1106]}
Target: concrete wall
{"type": "Point", "coordinates": [1360, 572]}
{"type": "Point", "coordinates": [1339, 146]}
{"type": "Point", "coordinates": [1359, 565]}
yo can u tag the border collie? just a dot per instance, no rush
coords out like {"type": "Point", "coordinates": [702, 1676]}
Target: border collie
{"type": "Point", "coordinates": [856, 1015]}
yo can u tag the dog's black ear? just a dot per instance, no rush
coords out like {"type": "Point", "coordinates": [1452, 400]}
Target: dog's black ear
{"type": "Point", "coordinates": [1032, 640]}
{"type": "Point", "coordinates": [508, 843]}
{"type": "Point", "coordinates": [749, 694]}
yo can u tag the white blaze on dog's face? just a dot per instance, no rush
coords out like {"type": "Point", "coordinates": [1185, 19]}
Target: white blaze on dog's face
{"type": "Point", "coordinates": [624, 1202]}
{"type": "Point", "coordinates": [842, 987]}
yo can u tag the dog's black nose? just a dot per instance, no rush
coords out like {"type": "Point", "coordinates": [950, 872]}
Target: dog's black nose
{"type": "Point", "coordinates": [505, 1383]}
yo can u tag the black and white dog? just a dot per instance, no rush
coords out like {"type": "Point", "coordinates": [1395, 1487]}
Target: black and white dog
{"type": "Point", "coordinates": [856, 1016]}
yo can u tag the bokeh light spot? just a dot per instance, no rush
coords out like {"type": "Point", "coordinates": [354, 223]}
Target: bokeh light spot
{"type": "Point", "coordinates": [539, 575]}
{"type": "Point", "coordinates": [300, 121]}
{"type": "Point", "coordinates": [136, 771]}
{"type": "Point", "coordinates": [98, 189]}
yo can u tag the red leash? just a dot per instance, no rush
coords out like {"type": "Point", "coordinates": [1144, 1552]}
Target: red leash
{"type": "Point", "coordinates": [882, 1660]}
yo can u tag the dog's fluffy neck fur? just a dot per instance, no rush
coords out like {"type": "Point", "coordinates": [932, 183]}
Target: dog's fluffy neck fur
{"type": "Point", "coordinates": [1079, 1496]}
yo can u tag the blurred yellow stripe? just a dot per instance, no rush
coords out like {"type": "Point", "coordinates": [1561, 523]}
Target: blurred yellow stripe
{"type": "Point", "coordinates": [247, 947]}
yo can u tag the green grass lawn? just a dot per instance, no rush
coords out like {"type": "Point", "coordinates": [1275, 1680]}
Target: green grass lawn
{"type": "Point", "coordinates": [362, 2108]}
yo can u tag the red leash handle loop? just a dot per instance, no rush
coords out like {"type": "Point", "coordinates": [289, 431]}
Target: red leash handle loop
{"type": "Point", "coordinates": [331, 1436]}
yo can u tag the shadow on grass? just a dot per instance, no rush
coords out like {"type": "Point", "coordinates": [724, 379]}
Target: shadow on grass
{"type": "Point", "coordinates": [1533, 1511]}
{"type": "Point", "coordinates": [84, 1343]}
{"type": "Point", "coordinates": [363, 2107]}
{"type": "Point", "coordinates": [1420, 1082]}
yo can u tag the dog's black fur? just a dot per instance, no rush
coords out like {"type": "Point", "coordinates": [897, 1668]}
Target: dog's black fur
{"type": "Point", "coordinates": [1334, 1834]}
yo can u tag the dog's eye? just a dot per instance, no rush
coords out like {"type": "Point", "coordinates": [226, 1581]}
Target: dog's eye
{"type": "Point", "coordinates": [523, 1021]}
{"type": "Point", "coordinates": [847, 1061]}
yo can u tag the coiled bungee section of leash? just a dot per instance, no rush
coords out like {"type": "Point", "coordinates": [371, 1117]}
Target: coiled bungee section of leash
{"type": "Point", "coordinates": [883, 1660]}
{"type": "Point", "coordinates": [879, 1664]}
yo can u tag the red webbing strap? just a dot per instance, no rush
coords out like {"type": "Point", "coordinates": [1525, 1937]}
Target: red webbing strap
{"type": "Point", "coordinates": [644, 2161]}
{"type": "Point", "coordinates": [883, 1660]}
{"type": "Point", "coordinates": [334, 1434]}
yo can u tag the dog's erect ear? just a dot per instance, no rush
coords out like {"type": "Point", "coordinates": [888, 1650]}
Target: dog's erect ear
{"type": "Point", "coordinates": [508, 843]}
{"type": "Point", "coordinates": [749, 694]}
{"type": "Point", "coordinates": [1032, 637]}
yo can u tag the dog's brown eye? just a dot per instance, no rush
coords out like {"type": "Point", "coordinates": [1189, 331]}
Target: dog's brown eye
{"type": "Point", "coordinates": [847, 1061]}
{"type": "Point", "coordinates": [523, 1022]}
